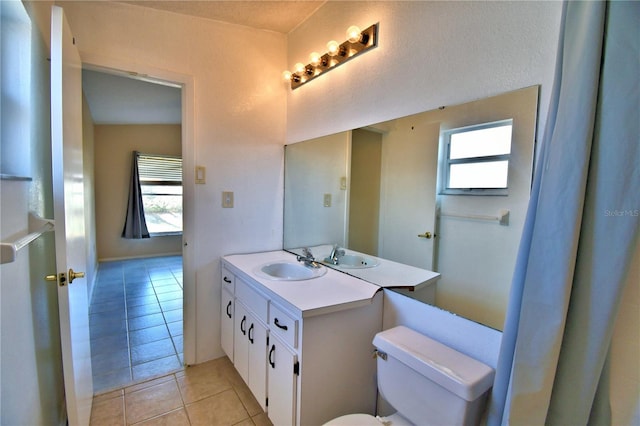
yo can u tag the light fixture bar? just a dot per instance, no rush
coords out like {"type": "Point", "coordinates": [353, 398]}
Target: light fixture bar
{"type": "Point", "coordinates": [342, 53]}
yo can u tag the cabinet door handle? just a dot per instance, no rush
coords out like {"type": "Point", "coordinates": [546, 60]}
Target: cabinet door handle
{"type": "Point", "coordinates": [226, 280]}
{"type": "Point", "coordinates": [242, 325]}
{"type": "Point", "coordinates": [229, 309]}
{"type": "Point", "coordinates": [284, 327]}
{"type": "Point", "coordinates": [272, 362]}
{"type": "Point", "coordinates": [250, 336]}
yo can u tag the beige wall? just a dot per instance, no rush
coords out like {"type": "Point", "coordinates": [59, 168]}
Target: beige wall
{"type": "Point", "coordinates": [364, 198]}
{"type": "Point", "coordinates": [314, 169]}
{"type": "Point", "coordinates": [113, 150]}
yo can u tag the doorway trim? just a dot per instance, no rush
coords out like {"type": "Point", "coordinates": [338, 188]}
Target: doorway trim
{"type": "Point", "coordinates": [186, 83]}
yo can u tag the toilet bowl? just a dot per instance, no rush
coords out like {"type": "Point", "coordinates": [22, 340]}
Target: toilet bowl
{"type": "Point", "coordinates": [426, 382]}
{"type": "Point", "coordinates": [369, 420]}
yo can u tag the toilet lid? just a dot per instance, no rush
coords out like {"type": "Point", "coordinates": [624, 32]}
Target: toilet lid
{"type": "Point", "coordinates": [354, 420]}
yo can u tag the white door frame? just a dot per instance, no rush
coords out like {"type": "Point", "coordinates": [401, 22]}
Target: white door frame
{"type": "Point", "coordinates": [136, 70]}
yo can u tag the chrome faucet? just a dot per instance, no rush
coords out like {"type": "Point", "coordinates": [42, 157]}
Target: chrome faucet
{"type": "Point", "coordinates": [307, 258]}
{"type": "Point", "coordinates": [334, 256]}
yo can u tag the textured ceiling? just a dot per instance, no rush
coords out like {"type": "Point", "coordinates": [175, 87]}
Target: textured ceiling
{"type": "Point", "coordinates": [279, 16]}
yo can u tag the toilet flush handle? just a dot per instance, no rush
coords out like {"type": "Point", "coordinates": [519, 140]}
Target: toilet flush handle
{"type": "Point", "coordinates": [377, 353]}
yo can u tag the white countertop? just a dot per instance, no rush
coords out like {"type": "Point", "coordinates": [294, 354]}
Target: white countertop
{"type": "Point", "coordinates": [332, 292]}
{"type": "Point", "coordinates": [387, 274]}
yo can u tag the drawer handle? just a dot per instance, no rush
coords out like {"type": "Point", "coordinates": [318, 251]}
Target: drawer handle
{"type": "Point", "coordinates": [284, 327]}
{"type": "Point", "coordinates": [229, 309]}
{"type": "Point", "coordinates": [227, 280]}
{"type": "Point", "coordinates": [272, 362]}
{"type": "Point", "coordinates": [250, 335]}
{"type": "Point", "coordinates": [242, 325]}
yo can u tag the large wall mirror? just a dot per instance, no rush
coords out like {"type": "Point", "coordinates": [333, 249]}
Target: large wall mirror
{"type": "Point", "coordinates": [382, 190]}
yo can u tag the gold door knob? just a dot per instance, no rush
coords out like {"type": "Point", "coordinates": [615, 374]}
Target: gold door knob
{"type": "Point", "coordinates": [426, 235]}
{"type": "Point", "coordinates": [73, 275]}
{"type": "Point", "coordinates": [61, 278]}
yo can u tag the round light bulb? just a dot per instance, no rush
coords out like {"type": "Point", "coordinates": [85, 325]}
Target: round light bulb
{"type": "Point", "coordinates": [286, 75]}
{"type": "Point", "coordinates": [333, 47]}
{"type": "Point", "coordinates": [314, 59]}
{"type": "Point", "coordinates": [299, 68]}
{"type": "Point", "coordinates": [353, 34]}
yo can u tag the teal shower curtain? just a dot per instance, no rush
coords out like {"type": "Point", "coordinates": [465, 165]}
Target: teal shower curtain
{"type": "Point", "coordinates": [581, 229]}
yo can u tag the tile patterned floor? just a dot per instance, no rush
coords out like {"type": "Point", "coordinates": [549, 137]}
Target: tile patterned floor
{"type": "Point", "coordinates": [135, 321]}
{"type": "Point", "coordinates": [212, 393]}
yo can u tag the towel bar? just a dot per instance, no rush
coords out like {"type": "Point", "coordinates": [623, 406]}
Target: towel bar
{"type": "Point", "coordinates": [37, 227]}
{"type": "Point", "coordinates": [503, 216]}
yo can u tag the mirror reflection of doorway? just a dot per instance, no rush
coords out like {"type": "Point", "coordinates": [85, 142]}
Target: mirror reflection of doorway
{"type": "Point", "coordinates": [136, 303]}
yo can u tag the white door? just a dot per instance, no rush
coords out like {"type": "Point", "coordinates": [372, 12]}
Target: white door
{"type": "Point", "coordinates": [68, 201]}
{"type": "Point", "coordinates": [410, 162]}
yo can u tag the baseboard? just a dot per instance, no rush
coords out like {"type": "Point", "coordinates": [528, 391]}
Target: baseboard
{"type": "Point", "coordinates": [143, 256]}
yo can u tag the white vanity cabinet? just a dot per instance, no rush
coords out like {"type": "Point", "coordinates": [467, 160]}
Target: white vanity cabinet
{"type": "Point", "coordinates": [317, 364]}
{"type": "Point", "coordinates": [283, 372]}
{"type": "Point", "coordinates": [250, 349]}
{"type": "Point", "coordinates": [227, 312]}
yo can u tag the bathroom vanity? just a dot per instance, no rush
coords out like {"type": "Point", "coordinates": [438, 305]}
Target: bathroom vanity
{"type": "Point", "coordinates": [303, 346]}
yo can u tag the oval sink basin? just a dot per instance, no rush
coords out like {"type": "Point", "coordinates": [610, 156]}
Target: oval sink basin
{"type": "Point", "coordinates": [289, 271]}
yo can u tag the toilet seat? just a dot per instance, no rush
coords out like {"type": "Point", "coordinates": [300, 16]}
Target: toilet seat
{"type": "Point", "coordinates": [368, 420]}
{"type": "Point", "coordinates": [354, 420]}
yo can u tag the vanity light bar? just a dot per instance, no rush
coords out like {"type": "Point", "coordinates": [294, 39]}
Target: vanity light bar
{"type": "Point", "coordinates": [357, 42]}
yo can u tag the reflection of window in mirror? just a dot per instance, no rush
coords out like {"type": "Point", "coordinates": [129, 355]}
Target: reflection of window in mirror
{"type": "Point", "coordinates": [477, 159]}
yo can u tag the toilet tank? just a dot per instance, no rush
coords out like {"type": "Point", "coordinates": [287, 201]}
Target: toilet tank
{"type": "Point", "coordinates": [428, 382]}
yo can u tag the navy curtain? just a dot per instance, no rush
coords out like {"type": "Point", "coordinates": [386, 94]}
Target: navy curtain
{"type": "Point", "coordinates": [135, 225]}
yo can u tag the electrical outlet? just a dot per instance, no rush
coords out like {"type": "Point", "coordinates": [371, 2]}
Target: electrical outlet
{"type": "Point", "coordinates": [227, 199]}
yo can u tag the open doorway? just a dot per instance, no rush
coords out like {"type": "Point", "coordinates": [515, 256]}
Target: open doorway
{"type": "Point", "coordinates": [136, 306]}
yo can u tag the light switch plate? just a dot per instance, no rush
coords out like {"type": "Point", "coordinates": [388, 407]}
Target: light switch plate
{"type": "Point", "coordinates": [327, 200]}
{"type": "Point", "coordinates": [201, 173]}
{"type": "Point", "coordinates": [227, 199]}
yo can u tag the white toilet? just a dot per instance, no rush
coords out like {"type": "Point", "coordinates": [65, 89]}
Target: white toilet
{"type": "Point", "coordinates": [427, 382]}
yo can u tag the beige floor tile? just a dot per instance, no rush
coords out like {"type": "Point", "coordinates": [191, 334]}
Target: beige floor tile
{"type": "Point", "coordinates": [201, 382]}
{"type": "Point", "coordinates": [108, 412]}
{"type": "Point", "coordinates": [152, 401]}
{"type": "Point", "coordinates": [222, 409]}
{"type": "Point", "coordinates": [248, 400]}
{"type": "Point", "coordinates": [232, 375]}
{"type": "Point", "coordinates": [261, 420]}
{"type": "Point", "coordinates": [108, 395]}
{"type": "Point", "coordinates": [148, 383]}
{"type": "Point", "coordinates": [245, 422]}
{"type": "Point", "coordinates": [174, 418]}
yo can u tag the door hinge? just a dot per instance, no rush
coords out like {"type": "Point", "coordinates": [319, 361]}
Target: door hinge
{"type": "Point", "coordinates": [267, 340]}
{"type": "Point", "coordinates": [266, 402]}
{"type": "Point", "coordinates": [296, 368]}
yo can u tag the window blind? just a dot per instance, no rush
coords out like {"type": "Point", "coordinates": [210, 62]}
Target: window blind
{"type": "Point", "coordinates": [160, 169]}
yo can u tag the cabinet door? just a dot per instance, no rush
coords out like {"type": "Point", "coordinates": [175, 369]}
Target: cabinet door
{"type": "Point", "coordinates": [240, 342]}
{"type": "Point", "coordinates": [257, 338]}
{"type": "Point", "coordinates": [281, 383]}
{"type": "Point", "coordinates": [226, 323]}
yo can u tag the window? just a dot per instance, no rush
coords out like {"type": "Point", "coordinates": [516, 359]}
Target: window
{"type": "Point", "coordinates": [477, 159]}
{"type": "Point", "coordinates": [161, 185]}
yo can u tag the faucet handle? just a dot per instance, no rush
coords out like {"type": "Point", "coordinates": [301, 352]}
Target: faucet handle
{"type": "Point", "coordinates": [307, 253]}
